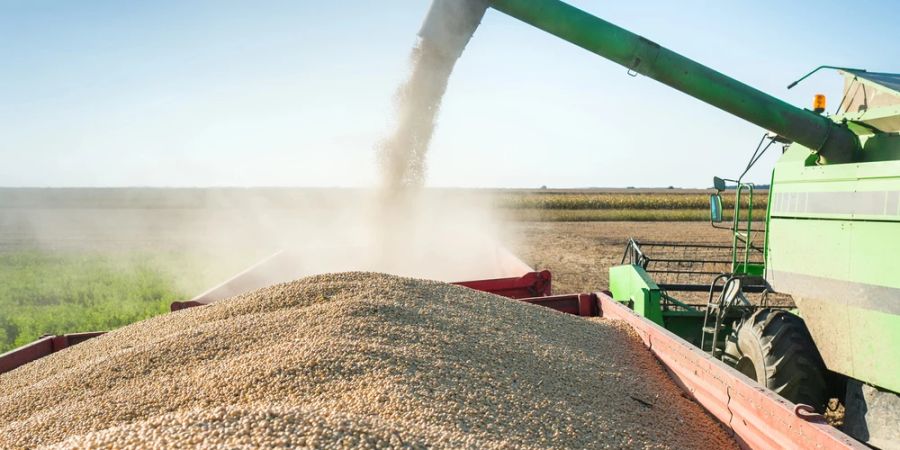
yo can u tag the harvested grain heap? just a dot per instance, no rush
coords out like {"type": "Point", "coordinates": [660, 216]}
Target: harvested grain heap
{"type": "Point", "coordinates": [355, 360]}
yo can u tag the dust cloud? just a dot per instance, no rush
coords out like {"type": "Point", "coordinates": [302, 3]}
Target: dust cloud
{"type": "Point", "coordinates": [203, 237]}
{"type": "Point", "coordinates": [398, 227]}
{"type": "Point", "coordinates": [402, 155]}
{"type": "Point", "coordinates": [417, 233]}
{"type": "Point", "coordinates": [447, 29]}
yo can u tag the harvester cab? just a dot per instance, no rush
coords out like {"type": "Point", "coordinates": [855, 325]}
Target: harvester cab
{"type": "Point", "coordinates": [871, 99]}
{"type": "Point", "coordinates": [871, 107]}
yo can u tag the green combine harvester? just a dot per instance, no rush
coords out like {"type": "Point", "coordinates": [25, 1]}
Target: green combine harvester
{"type": "Point", "coordinates": [828, 254]}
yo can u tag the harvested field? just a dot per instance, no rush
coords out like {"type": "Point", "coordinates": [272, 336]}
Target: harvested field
{"type": "Point", "coordinates": [580, 253]}
{"type": "Point", "coordinates": [355, 360]}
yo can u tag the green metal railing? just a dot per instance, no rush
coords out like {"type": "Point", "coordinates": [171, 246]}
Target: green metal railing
{"type": "Point", "coordinates": [740, 257]}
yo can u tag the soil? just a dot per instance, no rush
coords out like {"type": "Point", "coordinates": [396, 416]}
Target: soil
{"type": "Point", "coordinates": [579, 254]}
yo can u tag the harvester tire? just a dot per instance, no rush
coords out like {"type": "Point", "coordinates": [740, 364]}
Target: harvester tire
{"type": "Point", "coordinates": [778, 352]}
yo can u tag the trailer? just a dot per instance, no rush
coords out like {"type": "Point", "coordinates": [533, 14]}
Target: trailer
{"type": "Point", "coordinates": [758, 418]}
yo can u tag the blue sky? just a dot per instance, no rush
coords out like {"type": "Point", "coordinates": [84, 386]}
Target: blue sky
{"type": "Point", "coordinates": [297, 93]}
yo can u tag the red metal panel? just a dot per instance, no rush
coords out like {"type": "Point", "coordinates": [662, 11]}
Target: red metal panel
{"type": "Point", "coordinates": [26, 353]}
{"type": "Point", "coordinates": [577, 304]}
{"type": "Point", "coordinates": [564, 303]}
{"type": "Point", "coordinates": [532, 284]}
{"type": "Point", "coordinates": [759, 418]}
{"type": "Point", "coordinates": [178, 306]}
{"type": "Point", "coordinates": [77, 338]}
{"type": "Point", "coordinates": [59, 343]}
{"type": "Point", "coordinates": [41, 348]}
{"type": "Point", "coordinates": [587, 305]}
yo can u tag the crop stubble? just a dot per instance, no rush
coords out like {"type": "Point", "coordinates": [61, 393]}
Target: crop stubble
{"type": "Point", "coordinates": [580, 253]}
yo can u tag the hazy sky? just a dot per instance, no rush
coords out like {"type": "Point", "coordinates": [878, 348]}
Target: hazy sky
{"type": "Point", "coordinates": [296, 93]}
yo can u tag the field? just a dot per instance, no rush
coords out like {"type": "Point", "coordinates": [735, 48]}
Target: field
{"type": "Point", "coordinates": [579, 254]}
{"type": "Point", "coordinates": [83, 260]}
{"type": "Point", "coordinates": [608, 205]}
{"type": "Point", "coordinates": [52, 292]}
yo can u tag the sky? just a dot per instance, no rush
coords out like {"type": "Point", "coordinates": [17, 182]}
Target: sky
{"type": "Point", "coordinates": [298, 93]}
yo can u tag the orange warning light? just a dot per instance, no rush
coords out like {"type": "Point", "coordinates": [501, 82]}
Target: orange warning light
{"type": "Point", "coordinates": [819, 103]}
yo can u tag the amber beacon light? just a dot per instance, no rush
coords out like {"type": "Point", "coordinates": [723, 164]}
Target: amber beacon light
{"type": "Point", "coordinates": [819, 103]}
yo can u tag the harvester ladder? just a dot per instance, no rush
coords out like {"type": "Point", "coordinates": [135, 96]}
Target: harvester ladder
{"type": "Point", "coordinates": [730, 298]}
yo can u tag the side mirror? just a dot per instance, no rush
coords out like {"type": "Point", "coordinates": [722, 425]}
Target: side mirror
{"type": "Point", "coordinates": [715, 208]}
{"type": "Point", "coordinates": [719, 184]}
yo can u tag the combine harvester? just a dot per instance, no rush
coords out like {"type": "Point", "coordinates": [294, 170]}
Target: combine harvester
{"type": "Point", "coordinates": [831, 240]}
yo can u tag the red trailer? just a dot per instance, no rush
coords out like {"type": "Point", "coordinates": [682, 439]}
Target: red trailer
{"type": "Point", "coordinates": [759, 418]}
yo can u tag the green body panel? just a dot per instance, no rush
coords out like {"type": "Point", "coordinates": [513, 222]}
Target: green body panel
{"type": "Point", "coordinates": [833, 243]}
{"type": "Point", "coordinates": [630, 284]}
{"type": "Point", "coordinates": [751, 269]}
{"type": "Point", "coordinates": [855, 341]}
{"type": "Point", "coordinates": [687, 325]}
{"type": "Point", "coordinates": [883, 147]}
{"type": "Point", "coordinates": [834, 142]}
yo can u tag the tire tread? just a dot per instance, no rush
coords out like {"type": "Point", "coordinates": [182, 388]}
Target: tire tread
{"type": "Point", "coordinates": [793, 366]}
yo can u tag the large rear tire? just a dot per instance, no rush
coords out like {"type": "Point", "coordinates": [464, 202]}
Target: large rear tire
{"type": "Point", "coordinates": [777, 351]}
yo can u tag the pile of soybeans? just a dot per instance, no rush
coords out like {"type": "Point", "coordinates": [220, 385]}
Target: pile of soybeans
{"type": "Point", "coordinates": [355, 360]}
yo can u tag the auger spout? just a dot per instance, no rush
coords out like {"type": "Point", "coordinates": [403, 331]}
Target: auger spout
{"type": "Point", "coordinates": [450, 24]}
